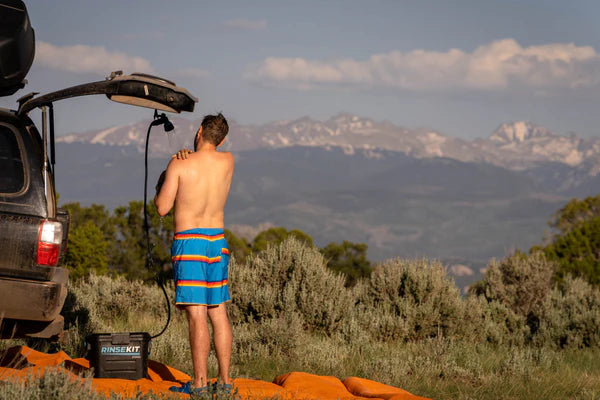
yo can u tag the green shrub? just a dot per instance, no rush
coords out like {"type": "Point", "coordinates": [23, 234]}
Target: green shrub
{"type": "Point", "coordinates": [411, 299]}
{"type": "Point", "coordinates": [59, 384]}
{"type": "Point", "coordinates": [55, 383]}
{"type": "Point", "coordinates": [108, 299]}
{"type": "Point", "coordinates": [275, 339]}
{"type": "Point", "coordinates": [289, 279]}
{"type": "Point", "coordinates": [520, 282]}
{"type": "Point", "coordinates": [570, 317]}
{"type": "Point", "coordinates": [492, 322]}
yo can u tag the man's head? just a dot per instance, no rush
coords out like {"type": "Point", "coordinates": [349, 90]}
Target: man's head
{"type": "Point", "coordinates": [213, 130]}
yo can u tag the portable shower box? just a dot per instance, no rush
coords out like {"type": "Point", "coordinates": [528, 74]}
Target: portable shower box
{"type": "Point", "coordinates": [119, 355]}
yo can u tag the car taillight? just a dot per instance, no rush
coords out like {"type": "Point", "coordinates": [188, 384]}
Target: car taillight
{"type": "Point", "coordinates": [49, 240]}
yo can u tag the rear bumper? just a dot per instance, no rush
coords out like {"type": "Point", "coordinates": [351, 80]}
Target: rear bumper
{"type": "Point", "coordinates": [17, 329]}
{"type": "Point", "coordinates": [24, 299]}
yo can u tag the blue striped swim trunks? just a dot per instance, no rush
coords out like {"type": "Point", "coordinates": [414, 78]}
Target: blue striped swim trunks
{"type": "Point", "coordinates": [200, 258]}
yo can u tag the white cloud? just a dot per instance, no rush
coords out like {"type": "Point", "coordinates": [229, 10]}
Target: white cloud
{"type": "Point", "coordinates": [500, 65]}
{"type": "Point", "coordinates": [88, 59]}
{"type": "Point", "coordinates": [461, 270]}
{"type": "Point", "coordinates": [245, 24]}
{"type": "Point", "coordinates": [193, 73]}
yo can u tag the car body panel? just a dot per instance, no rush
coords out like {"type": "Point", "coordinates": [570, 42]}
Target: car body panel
{"type": "Point", "coordinates": [17, 46]}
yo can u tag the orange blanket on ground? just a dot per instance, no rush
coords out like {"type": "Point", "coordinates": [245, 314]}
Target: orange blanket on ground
{"type": "Point", "coordinates": [21, 361]}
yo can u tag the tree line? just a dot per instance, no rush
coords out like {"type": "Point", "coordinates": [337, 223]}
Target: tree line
{"type": "Point", "coordinates": [114, 243]}
{"type": "Point", "coordinates": [575, 242]}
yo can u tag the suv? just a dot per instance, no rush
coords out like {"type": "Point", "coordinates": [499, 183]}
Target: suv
{"type": "Point", "coordinates": [33, 231]}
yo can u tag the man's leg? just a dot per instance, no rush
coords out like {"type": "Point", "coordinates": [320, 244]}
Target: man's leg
{"type": "Point", "coordinates": [222, 339]}
{"type": "Point", "coordinates": [199, 343]}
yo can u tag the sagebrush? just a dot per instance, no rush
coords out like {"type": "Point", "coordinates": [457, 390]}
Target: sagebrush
{"type": "Point", "coordinates": [406, 325]}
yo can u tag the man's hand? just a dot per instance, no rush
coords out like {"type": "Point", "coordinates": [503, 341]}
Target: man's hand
{"type": "Point", "coordinates": [182, 154]}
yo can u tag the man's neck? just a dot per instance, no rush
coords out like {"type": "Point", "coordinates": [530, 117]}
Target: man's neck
{"type": "Point", "coordinates": [205, 146]}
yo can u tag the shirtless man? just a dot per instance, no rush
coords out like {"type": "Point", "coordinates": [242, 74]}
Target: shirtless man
{"type": "Point", "coordinates": [197, 184]}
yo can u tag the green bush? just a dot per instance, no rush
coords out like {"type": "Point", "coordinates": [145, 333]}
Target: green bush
{"type": "Point", "coordinates": [570, 316]}
{"type": "Point", "coordinates": [287, 279]}
{"type": "Point", "coordinates": [492, 322]}
{"type": "Point", "coordinates": [108, 299]}
{"type": "Point", "coordinates": [520, 282]}
{"type": "Point", "coordinates": [272, 338]}
{"type": "Point", "coordinates": [515, 289]}
{"type": "Point", "coordinates": [411, 299]}
{"type": "Point", "coordinates": [55, 383]}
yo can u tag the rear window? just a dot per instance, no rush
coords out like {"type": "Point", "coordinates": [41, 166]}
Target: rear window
{"type": "Point", "coordinates": [12, 178]}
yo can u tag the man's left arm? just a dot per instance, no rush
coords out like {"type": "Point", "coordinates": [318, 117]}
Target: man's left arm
{"type": "Point", "coordinates": [167, 189]}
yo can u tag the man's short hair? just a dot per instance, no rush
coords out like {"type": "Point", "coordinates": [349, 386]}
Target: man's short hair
{"type": "Point", "coordinates": [214, 128]}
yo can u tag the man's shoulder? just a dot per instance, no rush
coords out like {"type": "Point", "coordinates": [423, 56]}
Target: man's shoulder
{"type": "Point", "coordinates": [175, 165]}
{"type": "Point", "coordinates": [225, 155]}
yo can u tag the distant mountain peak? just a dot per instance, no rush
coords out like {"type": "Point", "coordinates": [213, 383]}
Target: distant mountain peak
{"type": "Point", "coordinates": [344, 118]}
{"type": "Point", "coordinates": [303, 120]}
{"type": "Point", "coordinates": [514, 145]}
{"type": "Point", "coordinates": [519, 132]}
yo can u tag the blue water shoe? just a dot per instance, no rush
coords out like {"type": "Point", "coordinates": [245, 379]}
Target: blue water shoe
{"type": "Point", "coordinates": [204, 392]}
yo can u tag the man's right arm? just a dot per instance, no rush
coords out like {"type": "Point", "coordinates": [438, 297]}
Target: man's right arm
{"type": "Point", "coordinates": [167, 190]}
{"type": "Point", "coordinates": [161, 181]}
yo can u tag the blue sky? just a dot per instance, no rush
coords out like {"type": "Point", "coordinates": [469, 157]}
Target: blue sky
{"type": "Point", "coordinates": [461, 68]}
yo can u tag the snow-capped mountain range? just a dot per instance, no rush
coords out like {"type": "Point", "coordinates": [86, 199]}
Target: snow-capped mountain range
{"type": "Point", "coordinates": [515, 145]}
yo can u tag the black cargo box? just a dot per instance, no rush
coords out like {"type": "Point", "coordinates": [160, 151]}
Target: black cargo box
{"type": "Point", "coordinates": [17, 45]}
{"type": "Point", "coordinates": [119, 355]}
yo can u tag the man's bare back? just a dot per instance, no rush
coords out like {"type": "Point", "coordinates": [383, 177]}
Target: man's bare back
{"type": "Point", "coordinates": [198, 187]}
